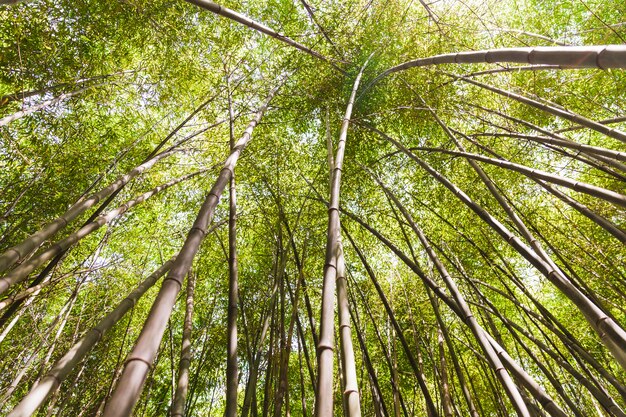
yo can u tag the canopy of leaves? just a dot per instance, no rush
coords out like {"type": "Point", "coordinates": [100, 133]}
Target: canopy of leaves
{"type": "Point", "coordinates": [122, 75]}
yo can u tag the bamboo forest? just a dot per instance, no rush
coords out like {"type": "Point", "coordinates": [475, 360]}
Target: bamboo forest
{"type": "Point", "coordinates": [385, 208]}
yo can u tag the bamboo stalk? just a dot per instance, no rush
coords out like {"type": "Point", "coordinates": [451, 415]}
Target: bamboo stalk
{"type": "Point", "coordinates": [140, 359]}
{"type": "Point", "coordinates": [180, 395]}
{"type": "Point", "coordinates": [601, 56]}
{"type": "Point", "coordinates": [246, 21]}
{"type": "Point", "coordinates": [325, 346]}
{"type": "Point", "coordinates": [22, 272]}
{"type": "Point", "coordinates": [62, 367]}
{"type": "Point", "coordinates": [18, 252]}
{"type": "Point", "coordinates": [599, 192]}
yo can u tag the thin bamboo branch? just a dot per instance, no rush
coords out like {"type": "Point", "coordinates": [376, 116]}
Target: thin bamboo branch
{"type": "Point", "coordinates": [244, 20]}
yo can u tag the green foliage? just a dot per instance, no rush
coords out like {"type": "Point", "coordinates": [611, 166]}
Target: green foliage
{"type": "Point", "coordinates": [146, 66]}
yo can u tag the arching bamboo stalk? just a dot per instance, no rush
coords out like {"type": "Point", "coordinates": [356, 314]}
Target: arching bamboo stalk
{"type": "Point", "coordinates": [325, 347]}
{"type": "Point", "coordinates": [612, 120]}
{"type": "Point", "coordinates": [140, 359]}
{"type": "Point", "coordinates": [602, 57]}
{"type": "Point", "coordinates": [558, 138]}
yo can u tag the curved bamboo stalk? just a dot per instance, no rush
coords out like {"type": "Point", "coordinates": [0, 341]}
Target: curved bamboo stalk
{"type": "Point", "coordinates": [140, 359]}
{"type": "Point", "coordinates": [325, 346]}
{"type": "Point", "coordinates": [601, 56]}
{"type": "Point", "coordinates": [22, 272]}
{"type": "Point", "coordinates": [246, 21]}
{"type": "Point", "coordinates": [62, 367]}
{"type": "Point", "coordinates": [18, 252]}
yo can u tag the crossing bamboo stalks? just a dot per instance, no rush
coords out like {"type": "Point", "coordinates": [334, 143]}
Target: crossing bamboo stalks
{"type": "Point", "coordinates": [18, 252]}
{"type": "Point", "coordinates": [602, 57]}
{"type": "Point", "coordinates": [468, 317]}
{"type": "Point", "coordinates": [325, 347]}
{"type": "Point", "coordinates": [607, 225]}
{"type": "Point", "coordinates": [140, 359]}
{"type": "Point", "coordinates": [62, 367]}
{"type": "Point", "coordinates": [588, 149]}
{"type": "Point", "coordinates": [581, 208]}
{"type": "Point", "coordinates": [507, 361]}
{"type": "Point", "coordinates": [246, 21]}
{"type": "Point", "coordinates": [397, 395]}
{"type": "Point", "coordinates": [611, 334]}
{"type": "Point", "coordinates": [430, 406]}
{"type": "Point", "coordinates": [376, 391]}
{"type": "Point", "coordinates": [180, 395]}
{"type": "Point", "coordinates": [455, 360]}
{"type": "Point", "coordinates": [599, 192]}
{"type": "Point", "coordinates": [554, 135]}
{"type": "Point", "coordinates": [21, 95]}
{"type": "Point", "coordinates": [565, 114]}
{"type": "Point", "coordinates": [22, 272]}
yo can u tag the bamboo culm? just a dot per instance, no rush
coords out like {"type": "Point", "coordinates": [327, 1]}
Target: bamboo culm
{"type": "Point", "coordinates": [140, 360]}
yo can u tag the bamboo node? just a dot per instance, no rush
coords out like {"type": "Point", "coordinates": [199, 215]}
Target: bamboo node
{"type": "Point", "coordinates": [600, 320]}
{"type": "Point", "coordinates": [202, 231]}
{"type": "Point", "coordinates": [322, 347]}
{"type": "Point", "coordinates": [330, 265]}
{"type": "Point", "coordinates": [599, 58]}
{"type": "Point", "coordinates": [131, 359]}
{"type": "Point", "coordinates": [175, 280]}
